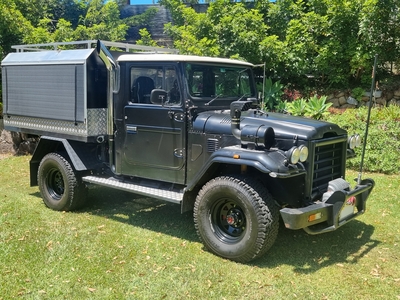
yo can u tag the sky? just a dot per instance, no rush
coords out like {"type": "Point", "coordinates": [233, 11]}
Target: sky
{"type": "Point", "coordinates": [150, 1]}
{"type": "Point", "coordinates": [155, 1]}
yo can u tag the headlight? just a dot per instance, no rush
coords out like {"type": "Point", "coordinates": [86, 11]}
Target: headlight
{"type": "Point", "coordinates": [358, 140]}
{"type": "Point", "coordinates": [354, 141]}
{"type": "Point", "coordinates": [293, 155]}
{"type": "Point", "coordinates": [303, 153]}
{"type": "Point", "coordinates": [296, 154]}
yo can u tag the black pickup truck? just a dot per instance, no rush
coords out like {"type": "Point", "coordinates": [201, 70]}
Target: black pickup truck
{"type": "Point", "coordinates": [185, 129]}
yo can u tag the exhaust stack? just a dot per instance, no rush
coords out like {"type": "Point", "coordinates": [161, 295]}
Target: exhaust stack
{"type": "Point", "coordinates": [112, 85]}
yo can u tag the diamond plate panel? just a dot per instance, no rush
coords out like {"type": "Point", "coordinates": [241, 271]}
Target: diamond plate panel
{"type": "Point", "coordinates": [96, 124]}
{"type": "Point", "coordinates": [97, 121]}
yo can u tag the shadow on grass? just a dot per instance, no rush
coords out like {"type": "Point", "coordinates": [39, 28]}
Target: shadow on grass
{"type": "Point", "coordinates": [306, 253]}
{"type": "Point", "coordinates": [309, 253]}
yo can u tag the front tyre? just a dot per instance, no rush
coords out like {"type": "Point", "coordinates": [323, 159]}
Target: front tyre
{"type": "Point", "coordinates": [236, 218]}
{"type": "Point", "coordinates": [59, 186]}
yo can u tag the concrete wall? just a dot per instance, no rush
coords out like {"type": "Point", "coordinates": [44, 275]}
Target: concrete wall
{"type": "Point", "coordinates": [156, 29]}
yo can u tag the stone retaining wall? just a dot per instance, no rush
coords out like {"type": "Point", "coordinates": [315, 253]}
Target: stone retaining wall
{"type": "Point", "coordinates": [345, 100]}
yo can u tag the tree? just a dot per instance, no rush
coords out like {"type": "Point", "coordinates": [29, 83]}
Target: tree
{"type": "Point", "coordinates": [98, 19]}
{"type": "Point", "coordinates": [332, 41]}
{"type": "Point", "coordinates": [13, 26]}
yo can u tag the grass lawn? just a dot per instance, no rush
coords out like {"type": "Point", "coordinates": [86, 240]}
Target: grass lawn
{"type": "Point", "coordinates": [124, 246]}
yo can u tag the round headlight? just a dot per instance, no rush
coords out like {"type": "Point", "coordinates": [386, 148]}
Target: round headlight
{"type": "Point", "coordinates": [294, 155]}
{"type": "Point", "coordinates": [358, 140]}
{"type": "Point", "coordinates": [352, 142]}
{"type": "Point", "coordinates": [303, 153]}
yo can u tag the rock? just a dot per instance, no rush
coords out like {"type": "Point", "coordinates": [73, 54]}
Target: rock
{"type": "Point", "coordinates": [342, 100]}
{"type": "Point", "coordinates": [6, 143]}
{"type": "Point", "coordinates": [397, 93]}
{"type": "Point", "coordinates": [352, 101]}
{"type": "Point", "coordinates": [389, 95]}
{"type": "Point", "coordinates": [330, 97]}
{"type": "Point", "coordinates": [340, 94]}
{"type": "Point", "coordinates": [381, 101]}
{"type": "Point", "coordinates": [335, 102]}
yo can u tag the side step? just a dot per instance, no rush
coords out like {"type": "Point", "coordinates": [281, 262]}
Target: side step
{"type": "Point", "coordinates": [164, 194]}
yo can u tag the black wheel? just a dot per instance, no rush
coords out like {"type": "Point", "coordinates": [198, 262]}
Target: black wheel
{"type": "Point", "coordinates": [236, 218]}
{"type": "Point", "coordinates": [59, 186]}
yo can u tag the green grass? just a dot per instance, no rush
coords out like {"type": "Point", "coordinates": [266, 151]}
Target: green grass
{"type": "Point", "coordinates": [124, 246]}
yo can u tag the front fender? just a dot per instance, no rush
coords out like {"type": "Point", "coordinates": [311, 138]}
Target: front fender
{"type": "Point", "coordinates": [273, 162]}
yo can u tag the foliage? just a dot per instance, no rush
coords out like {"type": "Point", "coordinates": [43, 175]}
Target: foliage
{"type": "Point", "coordinates": [314, 107]}
{"type": "Point", "coordinates": [306, 43]}
{"type": "Point", "coordinates": [227, 29]}
{"type": "Point", "coordinates": [40, 21]}
{"type": "Point", "coordinates": [145, 38]}
{"type": "Point", "coordinates": [358, 93]}
{"type": "Point", "coordinates": [297, 107]}
{"type": "Point", "coordinates": [273, 92]}
{"type": "Point", "coordinates": [383, 141]}
{"type": "Point", "coordinates": [13, 26]}
{"type": "Point", "coordinates": [1, 110]}
{"type": "Point", "coordinates": [317, 107]}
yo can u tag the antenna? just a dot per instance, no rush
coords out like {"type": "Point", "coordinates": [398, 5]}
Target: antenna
{"type": "Point", "coordinates": [369, 115]}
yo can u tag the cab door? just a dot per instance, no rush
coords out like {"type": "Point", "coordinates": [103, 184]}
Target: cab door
{"type": "Point", "coordinates": [154, 145]}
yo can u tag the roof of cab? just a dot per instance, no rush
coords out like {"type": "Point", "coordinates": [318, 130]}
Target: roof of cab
{"type": "Point", "coordinates": [180, 58]}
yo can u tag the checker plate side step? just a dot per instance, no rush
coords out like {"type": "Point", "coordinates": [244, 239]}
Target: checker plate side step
{"type": "Point", "coordinates": [159, 193]}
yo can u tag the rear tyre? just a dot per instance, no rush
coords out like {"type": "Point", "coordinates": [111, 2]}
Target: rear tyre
{"type": "Point", "coordinates": [60, 187]}
{"type": "Point", "coordinates": [236, 218]}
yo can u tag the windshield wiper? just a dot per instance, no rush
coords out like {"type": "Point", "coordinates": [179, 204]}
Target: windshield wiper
{"type": "Point", "coordinates": [240, 99]}
{"type": "Point", "coordinates": [212, 100]}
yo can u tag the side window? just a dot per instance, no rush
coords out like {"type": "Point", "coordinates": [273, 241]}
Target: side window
{"type": "Point", "coordinates": [144, 79]}
{"type": "Point", "coordinates": [172, 86]}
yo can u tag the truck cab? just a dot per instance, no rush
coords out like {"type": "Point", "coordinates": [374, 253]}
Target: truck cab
{"type": "Point", "coordinates": [185, 129]}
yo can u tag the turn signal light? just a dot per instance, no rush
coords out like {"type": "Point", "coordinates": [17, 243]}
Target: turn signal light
{"type": "Point", "coordinates": [314, 217]}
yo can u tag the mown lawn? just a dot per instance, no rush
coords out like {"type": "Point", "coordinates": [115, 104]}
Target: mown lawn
{"type": "Point", "coordinates": [124, 246]}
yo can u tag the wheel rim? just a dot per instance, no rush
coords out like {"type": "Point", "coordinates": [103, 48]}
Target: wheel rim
{"type": "Point", "coordinates": [228, 221]}
{"type": "Point", "coordinates": [55, 184]}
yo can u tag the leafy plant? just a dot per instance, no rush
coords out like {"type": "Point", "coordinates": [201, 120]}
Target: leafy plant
{"type": "Point", "coordinates": [358, 93]}
{"type": "Point", "coordinates": [317, 107]}
{"type": "Point", "coordinates": [1, 110]}
{"type": "Point", "coordinates": [314, 107]}
{"type": "Point", "coordinates": [297, 107]}
{"type": "Point", "coordinates": [273, 92]}
{"type": "Point", "coordinates": [281, 107]}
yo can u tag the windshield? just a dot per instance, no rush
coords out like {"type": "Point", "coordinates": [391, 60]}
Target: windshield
{"type": "Point", "coordinates": [219, 82]}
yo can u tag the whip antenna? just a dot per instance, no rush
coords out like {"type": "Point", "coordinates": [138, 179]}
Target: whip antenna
{"type": "Point", "coordinates": [369, 115]}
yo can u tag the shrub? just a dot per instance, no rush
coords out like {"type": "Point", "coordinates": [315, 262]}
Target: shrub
{"type": "Point", "coordinates": [297, 107]}
{"type": "Point", "coordinates": [314, 107]}
{"type": "Point", "coordinates": [383, 140]}
{"type": "Point", "coordinates": [358, 93]}
{"type": "Point", "coordinates": [273, 92]}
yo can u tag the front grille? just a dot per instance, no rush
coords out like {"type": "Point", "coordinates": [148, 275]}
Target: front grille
{"type": "Point", "coordinates": [329, 163]}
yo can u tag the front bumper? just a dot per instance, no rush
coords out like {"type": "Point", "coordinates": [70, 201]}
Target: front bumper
{"type": "Point", "coordinates": [341, 207]}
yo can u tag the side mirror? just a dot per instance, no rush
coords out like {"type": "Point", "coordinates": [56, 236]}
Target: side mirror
{"type": "Point", "coordinates": [158, 96]}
